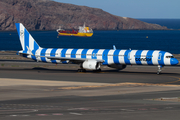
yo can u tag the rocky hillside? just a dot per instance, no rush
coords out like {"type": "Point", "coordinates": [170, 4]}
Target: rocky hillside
{"type": "Point", "coordinates": [49, 15]}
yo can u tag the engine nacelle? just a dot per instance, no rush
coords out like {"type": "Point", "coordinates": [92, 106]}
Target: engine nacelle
{"type": "Point", "coordinates": [119, 67]}
{"type": "Point", "coordinates": [91, 65]}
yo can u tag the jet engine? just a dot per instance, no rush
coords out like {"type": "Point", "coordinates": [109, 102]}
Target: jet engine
{"type": "Point", "coordinates": [91, 65]}
{"type": "Point", "coordinates": [119, 67]}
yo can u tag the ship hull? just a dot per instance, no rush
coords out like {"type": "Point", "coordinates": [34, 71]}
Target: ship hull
{"type": "Point", "coordinates": [78, 34]}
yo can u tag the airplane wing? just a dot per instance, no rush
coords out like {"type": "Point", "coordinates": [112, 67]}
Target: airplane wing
{"type": "Point", "coordinates": [79, 60]}
{"type": "Point", "coordinates": [74, 59]}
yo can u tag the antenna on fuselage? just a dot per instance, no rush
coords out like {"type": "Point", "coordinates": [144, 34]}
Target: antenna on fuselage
{"type": "Point", "coordinates": [114, 47]}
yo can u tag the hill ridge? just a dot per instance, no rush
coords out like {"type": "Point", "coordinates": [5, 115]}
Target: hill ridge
{"type": "Point", "coordinates": [49, 15]}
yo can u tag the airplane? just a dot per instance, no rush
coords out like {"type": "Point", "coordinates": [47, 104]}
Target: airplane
{"type": "Point", "coordinates": [92, 59]}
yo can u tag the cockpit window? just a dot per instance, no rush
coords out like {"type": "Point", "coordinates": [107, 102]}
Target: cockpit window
{"type": "Point", "coordinates": [169, 57]}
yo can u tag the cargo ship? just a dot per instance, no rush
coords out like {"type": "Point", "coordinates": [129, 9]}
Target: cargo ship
{"type": "Point", "coordinates": [83, 31]}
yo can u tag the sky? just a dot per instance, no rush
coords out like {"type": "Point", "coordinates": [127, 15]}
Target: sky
{"type": "Point", "coordinates": [169, 9]}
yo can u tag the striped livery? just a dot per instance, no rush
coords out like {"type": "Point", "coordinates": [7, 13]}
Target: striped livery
{"type": "Point", "coordinates": [108, 57]}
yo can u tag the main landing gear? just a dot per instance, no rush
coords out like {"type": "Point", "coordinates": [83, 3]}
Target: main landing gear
{"type": "Point", "coordinates": [159, 69]}
{"type": "Point", "coordinates": [81, 70]}
{"type": "Point", "coordinates": [99, 70]}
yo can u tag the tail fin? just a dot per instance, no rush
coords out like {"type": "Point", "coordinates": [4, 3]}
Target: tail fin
{"type": "Point", "coordinates": [27, 41]}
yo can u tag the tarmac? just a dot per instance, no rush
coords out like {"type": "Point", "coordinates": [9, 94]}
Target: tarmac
{"type": "Point", "coordinates": [31, 90]}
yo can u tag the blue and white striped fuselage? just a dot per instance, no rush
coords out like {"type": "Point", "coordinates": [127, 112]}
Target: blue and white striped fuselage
{"type": "Point", "coordinates": [91, 59]}
{"type": "Point", "coordinates": [124, 57]}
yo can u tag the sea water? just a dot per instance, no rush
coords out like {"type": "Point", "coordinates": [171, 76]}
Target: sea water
{"type": "Point", "coordinates": [169, 23]}
{"type": "Point", "coordinates": [166, 40]}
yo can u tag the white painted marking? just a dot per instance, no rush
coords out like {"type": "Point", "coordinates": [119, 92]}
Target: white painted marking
{"type": "Point", "coordinates": [143, 55]}
{"type": "Point", "coordinates": [121, 56]}
{"type": "Point", "coordinates": [25, 115]}
{"type": "Point", "coordinates": [167, 60]}
{"type": "Point", "coordinates": [75, 113]}
{"type": "Point", "coordinates": [68, 53]}
{"type": "Point", "coordinates": [110, 57]}
{"type": "Point", "coordinates": [168, 107]}
{"type": "Point", "coordinates": [78, 109]}
{"type": "Point", "coordinates": [132, 58]}
{"type": "Point", "coordinates": [155, 57]}
{"type": "Point", "coordinates": [57, 114]}
{"type": "Point", "coordinates": [89, 53]}
{"type": "Point", "coordinates": [48, 51]}
{"type": "Point", "coordinates": [58, 54]}
{"type": "Point", "coordinates": [31, 43]}
{"type": "Point", "coordinates": [100, 54]}
{"type": "Point", "coordinates": [13, 115]}
{"type": "Point", "coordinates": [22, 34]}
{"type": "Point", "coordinates": [38, 52]}
{"type": "Point", "coordinates": [78, 53]}
{"type": "Point", "coordinates": [42, 114]}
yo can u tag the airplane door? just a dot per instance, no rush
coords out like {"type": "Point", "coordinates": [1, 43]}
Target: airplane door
{"type": "Point", "coordinates": [129, 56]}
{"type": "Point", "coordinates": [159, 56]}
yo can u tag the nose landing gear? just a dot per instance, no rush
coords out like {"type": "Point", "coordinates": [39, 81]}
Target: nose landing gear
{"type": "Point", "coordinates": [159, 69]}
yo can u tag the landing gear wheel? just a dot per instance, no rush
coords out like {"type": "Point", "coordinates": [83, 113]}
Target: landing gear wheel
{"type": "Point", "coordinates": [99, 70]}
{"type": "Point", "coordinates": [81, 70]}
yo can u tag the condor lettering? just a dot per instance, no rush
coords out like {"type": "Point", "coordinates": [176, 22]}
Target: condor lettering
{"type": "Point", "coordinates": [143, 59]}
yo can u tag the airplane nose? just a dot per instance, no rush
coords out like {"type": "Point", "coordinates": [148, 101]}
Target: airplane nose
{"type": "Point", "coordinates": [174, 61]}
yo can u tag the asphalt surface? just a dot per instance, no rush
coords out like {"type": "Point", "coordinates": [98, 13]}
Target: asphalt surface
{"type": "Point", "coordinates": [31, 90]}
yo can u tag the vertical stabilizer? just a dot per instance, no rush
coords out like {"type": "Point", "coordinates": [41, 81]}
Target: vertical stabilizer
{"type": "Point", "coordinates": [27, 41]}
